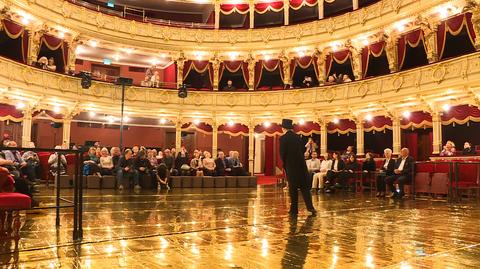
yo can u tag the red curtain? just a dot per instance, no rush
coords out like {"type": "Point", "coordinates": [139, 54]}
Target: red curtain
{"type": "Point", "coordinates": [170, 76]}
{"type": "Point", "coordinates": [373, 50]}
{"type": "Point", "coordinates": [378, 124]}
{"type": "Point", "coordinates": [307, 129]}
{"type": "Point", "coordinates": [14, 31]}
{"type": "Point", "coordinates": [269, 155]}
{"type": "Point", "coordinates": [461, 115]}
{"type": "Point", "coordinates": [413, 39]}
{"type": "Point", "coordinates": [48, 114]}
{"type": "Point", "coordinates": [228, 9]}
{"type": "Point", "coordinates": [417, 119]}
{"type": "Point", "coordinates": [340, 57]}
{"type": "Point", "coordinates": [271, 65]}
{"type": "Point", "coordinates": [304, 63]}
{"type": "Point", "coordinates": [272, 130]}
{"type": "Point", "coordinates": [343, 126]}
{"type": "Point", "coordinates": [297, 4]}
{"type": "Point", "coordinates": [9, 112]}
{"type": "Point", "coordinates": [233, 67]}
{"type": "Point", "coordinates": [55, 43]}
{"type": "Point", "coordinates": [234, 130]}
{"type": "Point", "coordinates": [201, 127]}
{"type": "Point", "coordinates": [265, 7]}
{"type": "Point", "coordinates": [454, 26]}
{"type": "Point", "coordinates": [200, 67]}
{"type": "Point", "coordinates": [410, 141]}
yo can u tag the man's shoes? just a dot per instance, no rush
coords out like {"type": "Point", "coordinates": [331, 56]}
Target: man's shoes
{"type": "Point", "coordinates": [378, 194]}
{"type": "Point", "coordinates": [313, 212]}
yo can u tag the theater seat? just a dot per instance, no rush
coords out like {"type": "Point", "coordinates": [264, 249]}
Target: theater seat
{"type": "Point", "coordinates": [10, 205]}
{"type": "Point", "coordinates": [14, 201]}
{"type": "Point", "coordinates": [422, 182]}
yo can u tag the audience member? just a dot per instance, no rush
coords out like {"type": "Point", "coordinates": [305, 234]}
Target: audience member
{"type": "Point", "coordinates": [106, 162]}
{"type": "Point", "coordinates": [208, 164]}
{"type": "Point", "coordinates": [333, 174]}
{"type": "Point", "coordinates": [127, 169]}
{"type": "Point", "coordinates": [313, 164]}
{"type": "Point", "coordinates": [162, 176]}
{"type": "Point", "coordinates": [51, 65]}
{"type": "Point", "coordinates": [116, 154]}
{"type": "Point", "coordinates": [19, 163]}
{"type": "Point", "coordinates": [319, 178]}
{"type": "Point", "coordinates": [221, 165]}
{"type": "Point", "coordinates": [402, 173]}
{"type": "Point", "coordinates": [182, 160]}
{"type": "Point", "coordinates": [330, 81]}
{"type": "Point", "coordinates": [33, 162]}
{"type": "Point", "coordinates": [152, 157]}
{"type": "Point", "coordinates": [169, 161]}
{"type": "Point", "coordinates": [346, 154]}
{"type": "Point", "coordinates": [387, 170]}
{"type": "Point", "coordinates": [229, 86]}
{"type": "Point", "coordinates": [143, 166]}
{"type": "Point", "coordinates": [351, 167]}
{"type": "Point", "coordinates": [448, 149]}
{"type": "Point", "coordinates": [237, 166]}
{"type": "Point", "coordinates": [21, 185]}
{"type": "Point", "coordinates": [307, 82]}
{"type": "Point", "coordinates": [53, 162]}
{"type": "Point", "coordinates": [467, 149]}
{"type": "Point", "coordinates": [196, 164]}
{"type": "Point", "coordinates": [311, 146]}
{"type": "Point", "coordinates": [369, 163]}
{"type": "Point", "coordinates": [135, 150]}
{"type": "Point", "coordinates": [91, 163]}
{"type": "Point", "coordinates": [346, 78]}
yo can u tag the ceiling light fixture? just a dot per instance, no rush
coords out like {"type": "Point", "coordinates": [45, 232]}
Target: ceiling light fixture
{"type": "Point", "coordinates": [231, 123]}
{"type": "Point", "coordinates": [93, 43]}
{"type": "Point", "coordinates": [369, 117]}
{"type": "Point", "coordinates": [336, 120]}
{"type": "Point", "coordinates": [446, 107]}
{"type": "Point", "coordinates": [92, 114]}
{"type": "Point", "coordinates": [267, 124]}
{"type": "Point", "coordinates": [301, 122]}
{"type": "Point", "coordinates": [407, 114]}
{"type": "Point", "coordinates": [56, 109]}
{"type": "Point", "coordinates": [163, 121]}
{"type": "Point", "coordinates": [20, 105]}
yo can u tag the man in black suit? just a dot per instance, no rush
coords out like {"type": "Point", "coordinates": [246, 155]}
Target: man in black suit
{"type": "Point", "coordinates": [291, 153]}
{"type": "Point", "coordinates": [221, 166]}
{"type": "Point", "coordinates": [402, 173]}
{"type": "Point", "coordinates": [338, 165]}
{"type": "Point", "coordinates": [388, 166]}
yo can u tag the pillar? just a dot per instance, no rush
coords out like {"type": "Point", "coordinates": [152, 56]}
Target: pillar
{"type": "Point", "coordinates": [178, 136]}
{"type": "Point", "coordinates": [396, 135]}
{"type": "Point", "coordinates": [26, 127]}
{"type": "Point", "coordinates": [216, 70]}
{"type": "Point", "coordinates": [357, 64]}
{"type": "Point", "coordinates": [360, 138]}
{"type": "Point", "coordinates": [355, 4]}
{"type": "Point", "coordinates": [286, 68]}
{"type": "Point", "coordinates": [431, 43]}
{"type": "Point", "coordinates": [320, 9]}
{"type": "Point", "coordinates": [321, 58]}
{"type": "Point", "coordinates": [33, 44]}
{"type": "Point", "coordinates": [214, 140]}
{"type": "Point", "coordinates": [251, 10]}
{"type": "Point", "coordinates": [217, 14]}
{"type": "Point", "coordinates": [72, 56]}
{"type": "Point", "coordinates": [391, 50]}
{"type": "Point", "coordinates": [67, 122]}
{"type": "Point", "coordinates": [323, 138]}
{"type": "Point", "coordinates": [286, 8]}
{"type": "Point", "coordinates": [437, 132]}
{"type": "Point", "coordinates": [251, 73]}
{"type": "Point", "coordinates": [180, 64]}
{"type": "Point", "coordinates": [251, 148]}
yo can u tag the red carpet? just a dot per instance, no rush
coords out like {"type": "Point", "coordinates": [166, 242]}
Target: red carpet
{"type": "Point", "coordinates": [266, 180]}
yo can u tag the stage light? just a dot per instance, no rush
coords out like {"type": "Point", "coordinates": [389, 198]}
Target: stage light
{"type": "Point", "coordinates": [126, 118]}
{"type": "Point", "coordinates": [446, 107]}
{"type": "Point", "coordinates": [369, 117]}
{"type": "Point", "coordinates": [301, 122]}
{"type": "Point", "coordinates": [93, 43]}
{"type": "Point", "coordinates": [196, 121]}
{"type": "Point", "coordinates": [267, 124]}
{"type": "Point", "coordinates": [79, 50]}
{"type": "Point", "coordinates": [163, 121]}
{"type": "Point", "coordinates": [154, 61]}
{"type": "Point", "coordinates": [20, 105]}
{"type": "Point", "coordinates": [25, 20]}
{"type": "Point", "coordinates": [266, 58]}
{"type": "Point", "coordinates": [56, 109]}
{"type": "Point", "coordinates": [182, 91]}
{"type": "Point", "coordinates": [92, 114]}
{"type": "Point", "coordinates": [336, 120]}
{"type": "Point", "coordinates": [231, 123]}
{"type": "Point", "coordinates": [407, 114]}
{"type": "Point", "coordinates": [116, 57]}
{"type": "Point", "coordinates": [61, 35]}
{"type": "Point", "coordinates": [400, 26]}
{"type": "Point", "coordinates": [86, 80]}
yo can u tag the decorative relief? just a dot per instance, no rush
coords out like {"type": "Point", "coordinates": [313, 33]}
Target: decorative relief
{"type": "Point", "coordinates": [438, 73]}
{"type": "Point", "coordinates": [329, 94]}
{"type": "Point", "coordinates": [397, 82]}
{"type": "Point", "coordinates": [362, 89]}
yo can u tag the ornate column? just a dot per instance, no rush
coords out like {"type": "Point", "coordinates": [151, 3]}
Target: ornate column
{"type": "Point", "coordinates": [320, 9]}
{"type": "Point", "coordinates": [251, 147]}
{"type": "Point", "coordinates": [214, 138]}
{"type": "Point", "coordinates": [321, 58]}
{"type": "Point", "coordinates": [251, 72]}
{"type": "Point", "coordinates": [287, 80]}
{"type": "Point", "coordinates": [391, 50]}
{"type": "Point", "coordinates": [396, 135]}
{"type": "Point", "coordinates": [26, 127]}
{"type": "Point", "coordinates": [180, 63]}
{"type": "Point", "coordinates": [217, 14]}
{"type": "Point", "coordinates": [251, 10]}
{"type": "Point", "coordinates": [67, 122]}
{"type": "Point", "coordinates": [360, 138]}
{"type": "Point", "coordinates": [474, 7]}
{"type": "Point", "coordinates": [323, 137]}
{"type": "Point", "coordinates": [178, 135]}
{"type": "Point", "coordinates": [34, 37]}
{"type": "Point", "coordinates": [437, 132]}
{"type": "Point", "coordinates": [286, 8]}
{"type": "Point", "coordinates": [430, 34]}
{"type": "Point", "coordinates": [216, 70]}
{"type": "Point", "coordinates": [356, 62]}
{"type": "Point", "coordinates": [72, 56]}
{"type": "Point", "coordinates": [355, 4]}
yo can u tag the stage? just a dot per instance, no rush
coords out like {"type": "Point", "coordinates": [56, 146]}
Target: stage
{"type": "Point", "coordinates": [249, 228]}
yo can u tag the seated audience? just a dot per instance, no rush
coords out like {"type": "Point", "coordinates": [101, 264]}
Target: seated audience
{"type": "Point", "coordinates": [468, 150]}
{"type": "Point", "coordinates": [369, 163]}
{"type": "Point", "coordinates": [448, 149]}
{"type": "Point", "coordinates": [33, 162]}
{"type": "Point", "coordinates": [51, 65]}
{"type": "Point", "coordinates": [349, 152]}
{"type": "Point", "coordinates": [135, 150]}
{"type": "Point", "coordinates": [160, 156]}
{"type": "Point", "coordinates": [182, 163]}
{"type": "Point", "coordinates": [20, 184]}
{"type": "Point", "coordinates": [53, 162]}
{"type": "Point", "coordinates": [402, 173]}
{"type": "Point", "coordinates": [221, 168]}
{"type": "Point", "coordinates": [143, 166]}
{"type": "Point", "coordinates": [346, 78]}
{"type": "Point", "coordinates": [152, 157]}
{"type": "Point", "coordinates": [311, 146]}
{"type": "Point", "coordinates": [126, 168]}
{"type": "Point", "coordinates": [313, 164]}
{"type": "Point", "coordinates": [229, 86]}
{"type": "Point", "coordinates": [208, 164]}
{"type": "Point", "coordinates": [351, 167]}
{"type": "Point", "coordinates": [42, 62]}
{"type": "Point", "coordinates": [196, 164]}
{"type": "Point", "coordinates": [92, 163]}
{"type": "Point", "coordinates": [106, 162]}
{"type": "Point", "coordinates": [307, 82]}
{"type": "Point", "coordinates": [319, 178]}
{"type": "Point", "coordinates": [23, 167]}
{"type": "Point", "coordinates": [334, 174]}
{"type": "Point", "coordinates": [387, 170]}
{"type": "Point", "coordinates": [146, 82]}
{"type": "Point", "coordinates": [155, 80]}
{"type": "Point", "coordinates": [330, 81]}
{"type": "Point", "coordinates": [169, 161]}
{"type": "Point", "coordinates": [116, 154]}
{"type": "Point", "coordinates": [162, 176]}
{"type": "Point", "coordinates": [237, 166]}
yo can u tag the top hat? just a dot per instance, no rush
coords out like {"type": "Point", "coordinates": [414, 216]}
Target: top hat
{"type": "Point", "coordinates": [287, 123]}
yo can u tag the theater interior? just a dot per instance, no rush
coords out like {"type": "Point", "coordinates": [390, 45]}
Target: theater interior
{"type": "Point", "coordinates": [152, 133]}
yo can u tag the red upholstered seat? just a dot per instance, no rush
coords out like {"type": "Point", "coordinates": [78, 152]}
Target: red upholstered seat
{"type": "Point", "coordinates": [378, 164]}
{"type": "Point", "coordinates": [14, 201]}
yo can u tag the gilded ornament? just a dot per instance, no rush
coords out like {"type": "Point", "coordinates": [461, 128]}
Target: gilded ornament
{"type": "Point", "coordinates": [329, 94]}
{"type": "Point", "coordinates": [362, 90]}
{"type": "Point", "coordinates": [397, 83]}
{"type": "Point", "coordinates": [438, 73]}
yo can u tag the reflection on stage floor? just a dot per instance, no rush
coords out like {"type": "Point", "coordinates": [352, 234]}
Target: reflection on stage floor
{"type": "Point", "coordinates": [249, 228]}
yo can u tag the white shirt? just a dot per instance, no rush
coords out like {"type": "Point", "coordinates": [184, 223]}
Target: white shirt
{"type": "Point", "coordinates": [326, 165]}
{"type": "Point", "coordinates": [402, 164]}
{"type": "Point", "coordinates": [313, 165]}
{"type": "Point", "coordinates": [335, 166]}
{"type": "Point", "coordinates": [386, 163]}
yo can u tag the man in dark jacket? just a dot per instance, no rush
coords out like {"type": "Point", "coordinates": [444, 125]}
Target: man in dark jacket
{"type": "Point", "coordinates": [291, 153]}
{"type": "Point", "coordinates": [402, 173]}
{"type": "Point", "coordinates": [221, 165]}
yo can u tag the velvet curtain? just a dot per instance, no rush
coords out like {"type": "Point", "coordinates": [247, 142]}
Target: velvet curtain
{"type": "Point", "coordinates": [272, 130]}
{"type": "Point", "coordinates": [412, 39]}
{"type": "Point", "coordinates": [235, 130]}
{"type": "Point", "coordinates": [271, 65]}
{"type": "Point", "coordinates": [262, 8]}
{"type": "Point", "coordinates": [269, 155]}
{"type": "Point", "coordinates": [417, 119]}
{"type": "Point", "coordinates": [343, 126]}
{"type": "Point", "coordinates": [410, 141]}
{"type": "Point", "coordinates": [202, 127]}
{"type": "Point", "coordinates": [199, 67]}
{"type": "Point", "coordinates": [378, 124]}
{"type": "Point", "coordinates": [373, 50]}
{"type": "Point", "coordinates": [233, 67]}
{"type": "Point", "coordinates": [54, 43]}
{"type": "Point", "coordinates": [15, 31]}
{"type": "Point", "coordinates": [170, 75]}
{"type": "Point", "coordinates": [340, 57]}
{"type": "Point", "coordinates": [9, 112]}
{"type": "Point", "coordinates": [298, 4]}
{"type": "Point", "coordinates": [304, 63]}
{"type": "Point", "coordinates": [307, 129]}
{"type": "Point", "coordinates": [454, 26]}
{"type": "Point", "coordinates": [228, 9]}
{"type": "Point", "coordinates": [461, 115]}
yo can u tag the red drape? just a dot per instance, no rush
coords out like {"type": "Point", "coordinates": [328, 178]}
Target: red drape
{"type": "Point", "coordinates": [269, 155]}
{"type": "Point", "coordinates": [201, 127]}
{"type": "Point", "coordinates": [235, 130]}
{"type": "Point", "coordinates": [378, 124]}
{"type": "Point", "coordinates": [373, 50]}
{"type": "Point", "coordinates": [200, 67]}
{"type": "Point", "coordinates": [340, 57]}
{"type": "Point", "coordinates": [14, 31]}
{"type": "Point", "coordinates": [307, 129]}
{"type": "Point", "coordinates": [417, 119]}
{"type": "Point", "coordinates": [273, 6]}
{"type": "Point", "coordinates": [413, 39]}
{"type": "Point", "coordinates": [461, 115]}
{"type": "Point", "coordinates": [410, 141]}
{"type": "Point", "coordinates": [454, 26]}
{"type": "Point", "coordinates": [55, 43]}
{"type": "Point", "coordinates": [228, 9]}
{"type": "Point", "coordinates": [304, 63]}
{"type": "Point", "coordinates": [170, 76]}
{"type": "Point", "coordinates": [297, 4]}
{"type": "Point", "coordinates": [271, 65]}
{"type": "Point", "coordinates": [9, 112]}
{"type": "Point", "coordinates": [343, 126]}
{"type": "Point", "coordinates": [233, 67]}
{"type": "Point", "coordinates": [272, 130]}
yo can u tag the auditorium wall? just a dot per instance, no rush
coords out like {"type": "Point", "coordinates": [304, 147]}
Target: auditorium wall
{"type": "Point", "coordinates": [137, 77]}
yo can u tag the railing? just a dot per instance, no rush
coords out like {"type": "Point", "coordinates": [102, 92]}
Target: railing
{"type": "Point", "coordinates": [77, 203]}
{"type": "Point", "coordinates": [139, 15]}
